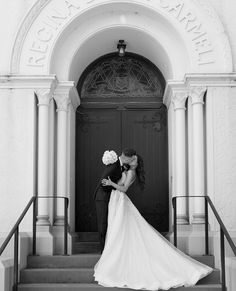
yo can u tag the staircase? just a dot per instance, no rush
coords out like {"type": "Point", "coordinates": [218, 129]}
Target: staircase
{"type": "Point", "coordinates": [75, 273]}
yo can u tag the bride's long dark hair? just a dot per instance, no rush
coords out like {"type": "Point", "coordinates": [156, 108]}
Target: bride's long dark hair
{"type": "Point", "coordinates": [140, 168]}
{"type": "Point", "coordinates": [140, 172]}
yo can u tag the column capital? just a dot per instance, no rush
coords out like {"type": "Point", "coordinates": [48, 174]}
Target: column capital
{"type": "Point", "coordinates": [197, 94]}
{"type": "Point", "coordinates": [62, 95]}
{"type": "Point", "coordinates": [179, 99]}
{"type": "Point", "coordinates": [62, 102]}
{"type": "Point", "coordinates": [44, 96]}
{"type": "Point", "coordinates": [44, 93]}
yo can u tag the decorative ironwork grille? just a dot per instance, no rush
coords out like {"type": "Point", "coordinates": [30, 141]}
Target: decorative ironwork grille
{"type": "Point", "coordinates": [126, 76]}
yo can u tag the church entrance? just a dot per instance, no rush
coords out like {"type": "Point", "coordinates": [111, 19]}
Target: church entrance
{"type": "Point", "coordinates": [122, 107]}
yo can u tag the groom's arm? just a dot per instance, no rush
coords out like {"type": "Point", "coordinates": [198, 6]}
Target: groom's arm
{"type": "Point", "coordinates": [108, 171]}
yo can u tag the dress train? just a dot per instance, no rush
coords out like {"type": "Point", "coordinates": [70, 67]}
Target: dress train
{"type": "Point", "coordinates": [137, 256]}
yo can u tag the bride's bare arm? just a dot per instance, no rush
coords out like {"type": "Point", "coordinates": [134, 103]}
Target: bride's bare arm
{"type": "Point", "coordinates": [123, 188]}
{"type": "Point", "coordinates": [120, 183]}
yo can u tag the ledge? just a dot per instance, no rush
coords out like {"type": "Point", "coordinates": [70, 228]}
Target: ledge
{"type": "Point", "coordinates": [26, 81]}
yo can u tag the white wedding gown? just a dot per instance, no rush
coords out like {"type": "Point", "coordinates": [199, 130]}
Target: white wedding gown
{"type": "Point", "coordinates": [136, 256]}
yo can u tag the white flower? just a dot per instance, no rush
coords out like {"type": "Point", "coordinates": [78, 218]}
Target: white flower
{"type": "Point", "coordinates": [109, 157]}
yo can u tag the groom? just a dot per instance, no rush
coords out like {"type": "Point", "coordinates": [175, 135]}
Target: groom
{"type": "Point", "coordinates": [102, 193]}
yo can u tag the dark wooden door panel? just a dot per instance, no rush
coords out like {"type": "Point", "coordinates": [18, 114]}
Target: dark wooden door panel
{"type": "Point", "coordinates": [97, 130]}
{"type": "Point", "coordinates": [145, 131]}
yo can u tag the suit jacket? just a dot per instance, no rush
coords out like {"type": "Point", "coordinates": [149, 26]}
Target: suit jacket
{"type": "Point", "coordinates": [114, 172]}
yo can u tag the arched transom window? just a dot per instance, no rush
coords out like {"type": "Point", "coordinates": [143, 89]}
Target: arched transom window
{"type": "Point", "coordinates": [129, 76]}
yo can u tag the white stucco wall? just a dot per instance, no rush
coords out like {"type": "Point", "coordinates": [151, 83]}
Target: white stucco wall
{"type": "Point", "coordinates": [17, 154]}
{"type": "Point", "coordinates": [224, 119]}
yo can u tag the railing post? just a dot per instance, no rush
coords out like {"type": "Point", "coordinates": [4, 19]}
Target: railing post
{"type": "Point", "coordinates": [222, 253]}
{"type": "Point", "coordinates": [34, 226]}
{"type": "Point", "coordinates": [65, 225]}
{"type": "Point", "coordinates": [16, 252]}
{"type": "Point", "coordinates": [206, 228]}
{"type": "Point", "coordinates": [175, 221]}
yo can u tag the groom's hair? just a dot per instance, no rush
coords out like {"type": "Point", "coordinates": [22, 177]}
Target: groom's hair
{"type": "Point", "coordinates": [129, 152]}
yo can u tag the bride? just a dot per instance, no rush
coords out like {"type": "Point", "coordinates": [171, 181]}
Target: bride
{"type": "Point", "coordinates": [136, 255]}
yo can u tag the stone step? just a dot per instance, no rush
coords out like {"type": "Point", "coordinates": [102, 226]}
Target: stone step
{"type": "Point", "coordinates": [82, 275]}
{"type": "Point", "coordinates": [95, 287]}
{"type": "Point", "coordinates": [85, 261]}
{"type": "Point", "coordinates": [205, 259]}
{"type": "Point", "coordinates": [213, 278]}
{"type": "Point", "coordinates": [74, 261]}
{"type": "Point", "coordinates": [86, 247]}
{"type": "Point", "coordinates": [93, 236]}
{"type": "Point", "coordinates": [86, 236]}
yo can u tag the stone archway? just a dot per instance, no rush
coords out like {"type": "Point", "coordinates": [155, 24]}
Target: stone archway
{"type": "Point", "coordinates": [185, 39]}
{"type": "Point", "coordinates": [51, 28]}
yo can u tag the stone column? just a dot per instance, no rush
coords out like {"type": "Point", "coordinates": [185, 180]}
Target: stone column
{"type": "Point", "coordinates": [62, 100]}
{"type": "Point", "coordinates": [179, 100]}
{"type": "Point", "coordinates": [69, 144]}
{"type": "Point", "coordinates": [197, 95]}
{"type": "Point", "coordinates": [190, 157]}
{"type": "Point", "coordinates": [44, 97]}
{"type": "Point", "coordinates": [51, 159]}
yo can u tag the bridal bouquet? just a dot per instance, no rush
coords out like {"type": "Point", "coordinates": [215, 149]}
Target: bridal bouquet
{"type": "Point", "coordinates": [109, 157]}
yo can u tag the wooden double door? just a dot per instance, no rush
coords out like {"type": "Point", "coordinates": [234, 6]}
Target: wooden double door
{"type": "Point", "coordinates": [145, 130]}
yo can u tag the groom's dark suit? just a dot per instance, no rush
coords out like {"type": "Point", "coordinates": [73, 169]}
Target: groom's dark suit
{"type": "Point", "coordinates": [102, 196]}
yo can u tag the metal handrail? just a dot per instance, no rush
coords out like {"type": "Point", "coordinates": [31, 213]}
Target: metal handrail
{"type": "Point", "coordinates": [223, 232]}
{"type": "Point", "coordinates": [15, 231]}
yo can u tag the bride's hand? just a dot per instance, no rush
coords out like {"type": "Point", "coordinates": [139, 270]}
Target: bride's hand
{"type": "Point", "coordinates": [106, 182]}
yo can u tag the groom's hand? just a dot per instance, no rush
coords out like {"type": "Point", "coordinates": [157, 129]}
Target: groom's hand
{"type": "Point", "coordinates": [106, 182]}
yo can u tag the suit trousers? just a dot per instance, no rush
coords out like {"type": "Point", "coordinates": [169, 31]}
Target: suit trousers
{"type": "Point", "coordinates": [102, 215]}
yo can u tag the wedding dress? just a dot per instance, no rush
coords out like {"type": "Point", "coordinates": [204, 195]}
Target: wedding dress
{"type": "Point", "coordinates": [137, 256]}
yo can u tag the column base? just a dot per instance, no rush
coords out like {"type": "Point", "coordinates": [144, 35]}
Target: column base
{"type": "Point", "coordinates": [59, 221]}
{"type": "Point", "coordinates": [58, 240]}
{"type": "Point", "coordinates": [198, 218]}
{"type": "Point", "coordinates": [191, 239]}
{"type": "Point", "coordinates": [43, 220]}
{"type": "Point", "coordinates": [182, 219]}
{"type": "Point", "coordinates": [44, 240]}
{"type": "Point", "coordinates": [197, 240]}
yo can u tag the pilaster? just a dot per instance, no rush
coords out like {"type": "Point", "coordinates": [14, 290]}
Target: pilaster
{"type": "Point", "coordinates": [197, 97]}
{"type": "Point", "coordinates": [44, 96]}
{"type": "Point", "coordinates": [62, 97]}
{"type": "Point", "coordinates": [179, 98]}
